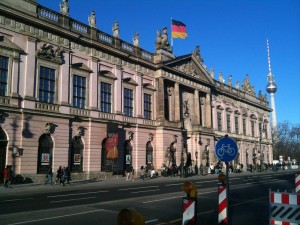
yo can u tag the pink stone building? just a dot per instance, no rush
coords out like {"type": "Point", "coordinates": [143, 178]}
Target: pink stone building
{"type": "Point", "coordinates": [72, 95]}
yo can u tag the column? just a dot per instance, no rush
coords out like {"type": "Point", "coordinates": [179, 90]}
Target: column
{"type": "Point", "coordinates": [94, 86]}
{"type": "Point", "coordinates": [139, 96]}
{"type": "Point", "coordinates": [203, 112]}
{"type": "Point", "coordinates": [196, 108]}
{"type": "Point", "coordinates": [29, 80]}
{"type": "Point", "coordinates": [15, 77]}
{"type": "Point", "coordinates": [208, 111]}
{"type": "Point", "coordinates": [161, 98]}
{"type": "Point", "coordinates": [118, 92]}
{"type": "Point", "coordinates": [64, 80]}
{"type": "Point", "coordinates": [176, 102]}
{"type": "Point", "coordinates": [171, 103]}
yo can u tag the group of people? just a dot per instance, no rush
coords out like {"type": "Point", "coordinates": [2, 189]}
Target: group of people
{"type": "Point", "coordinates": [63, 175]}
{"type": "Point", "coordinates": [8, 176]}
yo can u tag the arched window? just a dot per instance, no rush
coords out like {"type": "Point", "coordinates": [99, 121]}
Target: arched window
{"type": "Point", "coordinates": [45, 153]}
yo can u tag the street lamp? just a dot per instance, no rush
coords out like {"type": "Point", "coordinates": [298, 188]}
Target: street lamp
{"type": "Point", "coordinates": [185, 115]}
{"type": "Point", "coordinates": [261, 130]}
{"type": "Point", "coordinates": [196, 166]}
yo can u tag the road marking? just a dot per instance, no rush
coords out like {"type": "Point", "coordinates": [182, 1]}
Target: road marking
{"type": "Point", "coordinates": [17, 199]}
{"type": "Point", "coordinates": [69, 200]}
{"type": "Point", "coordinates": [135, 192]}
{"type": "Point", "coordinates": [162, 199]}
{"type": "Point", "coordinates": [126, 189]}
{"type": "Point", "coordinates": [57, 217]}
{"type": "Point", "coordinates": [150, 221]}
{"type": "Point", "coordinates": [173, 184]}
{"type": "Point", "coordinates": [85, 193]}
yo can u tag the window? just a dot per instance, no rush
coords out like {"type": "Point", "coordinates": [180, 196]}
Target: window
{"type": "Point", "coordinates": [147, 106]}
{"type": "Point", "coordinates": [105, 97]}
{"type": "Point", "coordinates": [128, 102]}
{"type": "Point", "coordinates": [79, 87]}
{"type": "Point", "coordinates": [3, 74]}
{"type": "Point", "coordinates": [219, 120]}
{"type": "Point", "coordinates": [47, 85]}
{"type": "Point", "coordinates": [252, 128]}
{"type": "Point", "coordinates": [236, 122]}
{"type": "Point", "coordinates": [228, 123]}
{"type": "Point", "coordinates": [244, 126]}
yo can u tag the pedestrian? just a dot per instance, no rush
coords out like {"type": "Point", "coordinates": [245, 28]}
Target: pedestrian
{"type": "Point", "coordinates": [58, 175]}
{"type": "Point", "coordinates": [142, 173]}
{"type": "Point", "coordinates": [131, 173]}
{"type": "Point", "coordinates": [201, 169]}
{"type": "Point", "coordinates": [49, 176]}
{"type": "Point", "coordinates": [5, 177]}
{"type": "Point", "coordinates": [67, 175]}
{"type": "Point", "coordinates": [10, 176]}
{"type": "Point", "coordinates": [64, 176]}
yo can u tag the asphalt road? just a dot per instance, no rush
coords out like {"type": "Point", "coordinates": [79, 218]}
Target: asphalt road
{"type": "Point", "coordinates": [158, 200]}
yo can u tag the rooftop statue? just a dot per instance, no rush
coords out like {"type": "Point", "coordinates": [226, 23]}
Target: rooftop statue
{"type": "Point", "coordinates": [162, 41]}
{"type": "Point", "coordinates": [221, 79]}
{"type": "Point", "coordinates": [115, 29]}
{"type": "Point", "coordinates": [197, 54]}
{"type": "Point", "coordinates": [246, 86]}
{"type": "Point", "coordinates": [64, 8]}
{"type": "Point", "coordinates": [230, 80]}
{"type": "Point", "coordinates": [135, 40]}
{"type": "Point", "coordinates": [92, 19]}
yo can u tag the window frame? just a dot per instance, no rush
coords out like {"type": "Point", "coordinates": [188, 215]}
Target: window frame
{"type": "Point", "coordinates": [151, 106]}
{"type": "Point", "coordinates": [84, 74]}
{"type": "Point", "coordinates": [7, 76]}
{"type": "Point", "coordinates": [133, 101]}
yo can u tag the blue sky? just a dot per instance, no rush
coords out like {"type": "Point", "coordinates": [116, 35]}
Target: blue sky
{"type": "Point", "coordinates": [232, 36]}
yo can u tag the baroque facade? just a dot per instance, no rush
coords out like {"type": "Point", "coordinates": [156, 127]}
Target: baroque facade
{"type": "Point", "coordinates": [72, 95]}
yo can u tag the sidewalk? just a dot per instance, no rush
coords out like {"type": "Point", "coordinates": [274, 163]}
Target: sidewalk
{"type": "Point", "coordinates": [22, 189]}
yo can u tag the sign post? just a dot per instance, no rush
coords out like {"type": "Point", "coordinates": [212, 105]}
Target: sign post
{"type": "Point", "coordinates": [226, 151]}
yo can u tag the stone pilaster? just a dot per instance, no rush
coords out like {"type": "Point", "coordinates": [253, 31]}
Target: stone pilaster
{"type": "Point", "coordinates": [160, 99]}
{"type": "Point", "coordinates": [203, 112]}
{"type": "Point", "coordinates": [176, 102]}
{"type": "Point", "coordinates": [208, 111]}
{"type": "Point", "coordinates": [118, 90]}
{"type": "Point", "coordinates": [94, 87]}
{"type": "Point", "coordinates": [196, 108]}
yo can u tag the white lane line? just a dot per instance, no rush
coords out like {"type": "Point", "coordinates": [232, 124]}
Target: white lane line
{"type": "Point", "coordinates": [17, 199]}
{"type": "Point", "coordinates": [173, 184]}
{"type": "Point", "coordinates": [163, 199]}
{"type": "Point", "coordinates": [57, 217]}
{"type": "Point", "coordinates": [135, 192]}
{"type": "Point", "coordinates": [150, 221]}
{"type": "Point", "coordinates": [126, 189]}
{"type": "Point", "coordinates": [207, 181]}
{"type": "Point", "coordinates": [85, 193]}
{"type": "Point", "coordinates": [74, 199]}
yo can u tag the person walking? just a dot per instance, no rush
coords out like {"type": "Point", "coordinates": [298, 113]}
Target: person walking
{"type": "Point", "coordinates": [5, 177]}
{"type": "Point", "coordinates": [142, 173]}
{"type": "Point", "coordinates": [201, 169]}
{"type": "Point", "coordinates": [58, 175]}
{"type": "Point", "coordinates": [49, 176]}
{"type": "Point", "coordinates": [67, 175]}
{"type": "Point", "coordinates": [10, 176]}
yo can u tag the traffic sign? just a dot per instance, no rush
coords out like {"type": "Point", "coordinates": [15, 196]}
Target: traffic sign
{"type": "Point", "coordinates": [226, 149]}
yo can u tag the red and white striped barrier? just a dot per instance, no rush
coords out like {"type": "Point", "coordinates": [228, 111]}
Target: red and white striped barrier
{"type": "Point", "coordinates": [222, 217]}
{"type": "Point", "coordinates": [284, 208]}
{"type": "Point", "coordinates": [189, 211]}
{"type": "Point", "coordinates": [297, 183]}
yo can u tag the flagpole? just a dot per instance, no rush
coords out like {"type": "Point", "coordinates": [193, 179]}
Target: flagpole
{"type": "Point", "coordinates": [171, 36]}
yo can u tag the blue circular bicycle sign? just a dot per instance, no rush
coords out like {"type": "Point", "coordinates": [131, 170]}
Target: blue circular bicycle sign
{"type": "Point", "coordinates": [226, 149]}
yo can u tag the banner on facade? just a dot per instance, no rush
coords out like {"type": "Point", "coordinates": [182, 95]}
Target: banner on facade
{"type": "Point", "coordinates": [45, 159]}
{"type": "Point", "coordinates": [111, 146]}
{"type": "Point", "coordinates": [77, 159]}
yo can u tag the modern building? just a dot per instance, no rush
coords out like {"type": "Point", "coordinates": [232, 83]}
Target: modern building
{"type": "Point", "coordinates": [72, 95]}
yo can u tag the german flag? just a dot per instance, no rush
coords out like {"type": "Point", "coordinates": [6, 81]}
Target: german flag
{"type": "Point", "coordinates": [178, 30]}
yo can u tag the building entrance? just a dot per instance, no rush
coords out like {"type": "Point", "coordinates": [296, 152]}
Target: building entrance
{"type": "Point", "coordinates": [3, 146]}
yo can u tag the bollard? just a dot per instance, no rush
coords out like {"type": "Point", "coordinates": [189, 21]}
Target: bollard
{"type": "Point", "coordinates": [189, 204]}
{"type": "Point", "coordinates": [130, 217]}
{"type": "Point", "coordinates": [297, 183]}
{"type": "Point", "coordinates": [223, 202]}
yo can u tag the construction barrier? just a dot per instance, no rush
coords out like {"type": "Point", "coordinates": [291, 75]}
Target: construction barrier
{"type": "Point", "coordinates": [189, 204]}
{"type": "Point", "coordinates": [222, 212]}
{"type": "Point", "coordinates": [284, 208]}
{"type": "Point", "coordinates": [297, 183]}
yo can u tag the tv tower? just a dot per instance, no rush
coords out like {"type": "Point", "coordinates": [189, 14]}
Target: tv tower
{"type": "Point", "coordinates": [271, 89]}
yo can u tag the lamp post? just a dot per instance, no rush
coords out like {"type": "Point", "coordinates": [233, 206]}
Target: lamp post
{"type": "Point", "coordinates": [185, 115]}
